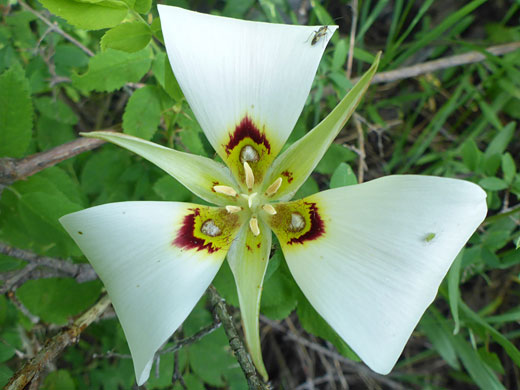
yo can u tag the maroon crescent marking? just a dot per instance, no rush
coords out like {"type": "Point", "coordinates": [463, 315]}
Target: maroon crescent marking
{"type": "Point", "coordinates": [247, 129]}
{"type": "Point", "coordinates": [317, 226]}
{"type": "Point", "coordinates": [185, 238]}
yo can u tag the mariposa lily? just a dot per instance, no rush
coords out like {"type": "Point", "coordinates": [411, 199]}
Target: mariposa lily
{"type": "Point", "coordinates": [368, 257]}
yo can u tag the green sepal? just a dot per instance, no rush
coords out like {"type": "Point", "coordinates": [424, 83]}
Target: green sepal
{"type": "Point", "coordinates": [300, 159]}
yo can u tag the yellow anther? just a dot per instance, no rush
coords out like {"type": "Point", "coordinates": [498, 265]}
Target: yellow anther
{"type": "Point", "coordinates": [226, 190]}
{"type": "Point", "coordinates": [271, 190]}
{"type": "Point", "coordinates": [269, 209]}
{"type": "Point", "coordinates": [233, 209]}
{"type": "Point", "coordinates": [250, 177]}
{"type": "Point", "coordinates": [253, 225]}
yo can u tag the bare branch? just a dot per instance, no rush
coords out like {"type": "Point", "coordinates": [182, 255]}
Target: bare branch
{"type": "Point", "coordinates": [12, 170]}
{"type": "Point", "coordinates": [220, 309]}
{"type": "Point", "coordinates": [353, 366]}
{"type": "Point", "coordinates": [81, 272]}
{"type": "Point", "coordinates": [442, 63]}
{"type": "Point", "coordinates": [55, 346]}
{"type": "Point", "coordinates": [54, 27]}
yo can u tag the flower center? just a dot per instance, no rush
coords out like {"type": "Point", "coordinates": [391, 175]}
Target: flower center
{"type": "Point", "coordinates": [252, 203]}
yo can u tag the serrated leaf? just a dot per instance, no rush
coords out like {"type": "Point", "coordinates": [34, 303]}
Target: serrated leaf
{"type": "Point", "coordinates": [93, 15]}
{"type": "Point", "coordinates": [16, 112]}
{"type": "Point", "coordinates": [129, 37]}
{"type": "Point", "coordinates": [112, 69]}
{"type": "Point", "coordinates": [493, 184]}
{"type": "Point", "coordinates": [55, 300]}
{"type": "Point", "coordinates": [343, 176]}
{"type": "Point", "coordinates": [56, 109]}
{"type": "Point", "coordinates": [50, 133]}
{"type": "Point", "coordinates": [143, 112]}
{"type": "Point", "coordinates": [170, 189]}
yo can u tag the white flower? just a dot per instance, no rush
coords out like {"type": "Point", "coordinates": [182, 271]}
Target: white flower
{"type": "Point", "coordinates": [369, 257]}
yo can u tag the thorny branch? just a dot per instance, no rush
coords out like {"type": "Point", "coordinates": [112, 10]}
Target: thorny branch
{"type": "Point", "coordinates": [220, 309]}
{"type": "Point", "coordinates": [55, 346]}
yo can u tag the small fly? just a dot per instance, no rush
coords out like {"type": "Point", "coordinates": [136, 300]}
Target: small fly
{"type": "Point", "coordinates": [318, 34]}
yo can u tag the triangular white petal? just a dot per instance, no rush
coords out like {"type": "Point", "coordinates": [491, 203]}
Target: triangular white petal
{"type": "Point", "coordinates": [371, 257]}
{"type": "Point", "coordinates": [155, 263]}
{"type": "Point", "coordinates": [199, 174]}
{"type": "Point", "coordinates": [246, 82]}
{"type": "Point", "coordinates": [248, 258]}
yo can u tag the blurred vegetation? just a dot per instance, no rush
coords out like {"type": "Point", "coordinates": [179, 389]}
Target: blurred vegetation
{"type": "Point", "coordinates": [459, 122]}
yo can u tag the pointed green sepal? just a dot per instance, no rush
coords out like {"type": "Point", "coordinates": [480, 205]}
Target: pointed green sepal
{"type": "Point", "coordinates": [199, 174]}
{"type": "Point", "coordinates": [248, 258]}
{"type": "Point", "coordinates": [296, 164]}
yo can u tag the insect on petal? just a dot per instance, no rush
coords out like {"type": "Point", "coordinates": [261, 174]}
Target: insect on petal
{"type": "Point", "coordinates": [246, 82]}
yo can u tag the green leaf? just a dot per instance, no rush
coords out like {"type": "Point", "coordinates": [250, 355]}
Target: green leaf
{"type": "Point", "coordinates": [454, 291]}
{"type": "Point", "coordinates": [170, 189]}
{"type": "Point", "coordinates": [508, 346]}
{"type": "Point", "coordinates": [471, 155]}
{"type": "Point", "coordinates": [16, 112]}
{"type": "Point", "coordinates": [441, 340]}
{"type": "Point", "coordinates": [129, 37]}
{"type": "Point", "coordinates": [112, 69]}
{"type": "Point", "coordinates": [171, 85]}
{"type": "Point", "coordinates": [59, 380]}
{"type": "Point", "coordinates": [340, 54]}
{"type": "Point", "coordinates": [143, 112]}
{"type": "Point", "coordinates": [56, 109]}
{"type": "Point", "coordinates": [343, 176]}
{"type": "Point", "coordinates": [279, 295]}
{"type": "Point", "coordinates": [336, 153]}
{"type": "Point", "coordinates": [143, 6]}
{"type": "Point", "coordinates": [499, 144]}
{"type": "Point", "coordinates": [493, 184]}
{"type": "Point", "coordinates": [50, 133]}
{"type": "Point", "coordinates": [508, 167]}
{"type": "Point", "coordinates": [55, 300]}
{"type": "Point", "coordinates": [88, 15]}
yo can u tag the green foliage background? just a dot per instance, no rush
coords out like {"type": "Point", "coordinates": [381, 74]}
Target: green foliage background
{"type": "Point", "coordinates": [459, 122]}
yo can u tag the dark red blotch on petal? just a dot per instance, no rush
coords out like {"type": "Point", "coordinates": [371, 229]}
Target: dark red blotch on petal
{"type": "Point", "coordinates": [186, 239]}
{"type": "Point", "coordinates": [247, 129]}
{"type": "Point", "coordinates": [317, 228]}
{"type": "Point", "coordinates": [288, 175]}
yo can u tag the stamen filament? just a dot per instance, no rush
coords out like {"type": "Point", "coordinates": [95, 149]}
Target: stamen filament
{"type": "Point", "coordinates": [226, 190]}
{"type": "Point", "coordinates": [253, 225]}
{"type": "Point", "coordinates": [250, 177]}
{"type": "Point", "coordinates": [269, 209]}
{"type": "Point", "coordinates": [233, 209]}
{"type": "Point", "coordinates": [271, 190]}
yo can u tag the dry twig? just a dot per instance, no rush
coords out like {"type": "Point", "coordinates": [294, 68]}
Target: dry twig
{"type": "Point", "coordinates": [55, 346]}
{"type": "Point", "coordinates": [12, 170]}
{"type": "Point", "coordinates": [442, 63]}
